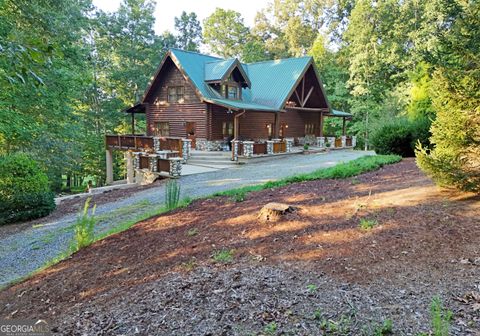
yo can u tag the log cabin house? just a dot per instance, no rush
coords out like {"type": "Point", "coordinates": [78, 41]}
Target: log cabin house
{"type": "Point", "coordinates": [216, 104]}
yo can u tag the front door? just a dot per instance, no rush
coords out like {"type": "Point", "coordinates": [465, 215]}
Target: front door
{"type": "Point", "coordinates": [190, 129]}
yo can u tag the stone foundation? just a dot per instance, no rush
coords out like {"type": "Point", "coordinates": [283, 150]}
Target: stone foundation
{"type": "Point", "coordinates": [186, 149]}
{"type": "Point", "coordinates": [331, 142]}
{"type": "Point", "coordinates": [308, 139]}
{"type": "Point", "coordinates": [235, 149]}
{"type": "Point", "coordinates": [248, 148]}
{"type": "Point", "coordinates": [270, 146]}
{"type": "Point", "coordinates": [321, 142]}
{"type": "Point", "coordinates": [175, 167]}
{"type": "Point", "coordinates": [289, 144]}
{"type": "Point", "coordinates": [213, 145]}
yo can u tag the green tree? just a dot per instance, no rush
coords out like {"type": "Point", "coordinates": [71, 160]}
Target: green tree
{"type": "Point", "coordinates": [455, 157]}
{"type": "Point", "coordinates": [420, 93]}
{"type": "Point", "coordinates": [189, 31]}
{"type": "Point", "coordinates": [376, 57]}
{"type": "Point", "coordinates": [125, 53]}
{"type": "Point", "coordinates": [43, 78]}
{"type": "Point", "coordinates": [333, 70]}
{"type": "Point", "coordinates": [254, 51]}
{"type": "Point", "coordinates": [225, 33]}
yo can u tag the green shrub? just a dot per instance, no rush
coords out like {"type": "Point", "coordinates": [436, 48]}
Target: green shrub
{"type": "Point", "coordinates": [24, 189]}
{"type": "Point", "coordinates": [84, 227]}
{"type": "Point", "coordinates": [367, 224]}
{"type": "Point", "coordinates": [400, 136]}
{"type": "Point", "coordinates": [223, 256]}
{"type": "Point", "coordinates": [172, 194]}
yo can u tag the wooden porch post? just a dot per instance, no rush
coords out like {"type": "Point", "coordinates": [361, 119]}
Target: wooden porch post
{"type": "Point", "coordinates": [133, 124]}
{"type": "Point", "coordinates": [343, 126]}
{"type": "Point", "coordinates": [109, 167]}
{"type": "Point", "coordinates": [321, 125]}
{"type": "Point", "coordinates": [130, 169]}
{"type": "Point", "coordinates": [236, 125]}
{"type": "Point", "coordinates": [277, 126]}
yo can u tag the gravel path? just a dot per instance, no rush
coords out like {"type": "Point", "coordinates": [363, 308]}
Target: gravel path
{"type": "Point", "coordinates": [25, 252]}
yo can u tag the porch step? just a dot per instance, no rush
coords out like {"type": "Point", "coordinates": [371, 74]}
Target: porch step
{"type": "Point", "coordinates": [211, 159]}
{"type": "Point", "coordinates": [210, 154]}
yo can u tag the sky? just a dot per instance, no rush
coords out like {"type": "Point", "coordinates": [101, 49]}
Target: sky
{"type": "Point", "coordinates": [166, 11]}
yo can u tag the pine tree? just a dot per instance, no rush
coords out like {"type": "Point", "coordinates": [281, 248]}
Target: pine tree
{"type": "Point", "coordinates": [455, 157]}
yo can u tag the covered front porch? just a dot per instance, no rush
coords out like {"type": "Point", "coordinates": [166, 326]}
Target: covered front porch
{"type": "Point", "coordinates": [260, 133]}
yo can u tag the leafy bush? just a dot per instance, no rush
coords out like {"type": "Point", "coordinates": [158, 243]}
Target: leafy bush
{"type": "Point", "coordinates": [367, 224]}
{"type": "Point", "coordinates": [84, 227]}
{"type": "Point", "coordinates": [24, 189]}
{"type": "Point", "coordinates": [400, 136]}
{"type": "Point", "coordinates": [172, 194]}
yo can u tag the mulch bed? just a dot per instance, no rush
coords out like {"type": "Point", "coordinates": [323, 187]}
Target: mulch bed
{"type": "Point", "coordinates": [287, 277]}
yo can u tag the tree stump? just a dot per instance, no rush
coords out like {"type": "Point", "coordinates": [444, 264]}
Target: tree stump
{"type": "Point", "coordinates": [272, 212]}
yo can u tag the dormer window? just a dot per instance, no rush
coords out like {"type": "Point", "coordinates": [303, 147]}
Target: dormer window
{"type": "Point", "coordinates": [227, 77]}
{"type": "Point", "coordinates": [232, 92]}
{"type": "Point", "coordinates": [229, 90]}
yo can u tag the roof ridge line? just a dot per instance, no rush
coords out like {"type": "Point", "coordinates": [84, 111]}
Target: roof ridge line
{"type": "Point", "coordinates": [279, 59]}
{"type": "Point", "coordinates": [195, 52]}
{"type": "Point", "coordinates": [223, 60]}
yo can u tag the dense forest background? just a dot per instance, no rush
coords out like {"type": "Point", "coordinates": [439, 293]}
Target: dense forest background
{"type": "Point", "coordinates": [68, 70]}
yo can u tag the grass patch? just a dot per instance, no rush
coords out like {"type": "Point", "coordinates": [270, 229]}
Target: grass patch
{"type": "Point", "coordinates": [192, 232]}
{"type": "Point", "coordinates": [189, 265]}
{"type": "Point", "coordinates": [367, 224]}
{"type": "Point", "coordinates": [238, 197]}
{"type": "Point", "coordinates": [340, 171]}
{"type": "Point", "coordinates": [223, 256]}
{"type": "Point", "coordinates": [441, 318]}
{"type": "Point", "coordinates": [271, 328]}
{"type": "Point", "coordinates": [124, 211]}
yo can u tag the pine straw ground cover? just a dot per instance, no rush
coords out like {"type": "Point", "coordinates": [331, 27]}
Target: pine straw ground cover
{"type": "Point", "coordinates": [213, 269]}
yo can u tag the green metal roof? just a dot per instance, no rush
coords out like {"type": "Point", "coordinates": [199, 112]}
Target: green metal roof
{"type": "Point", "coordinates": [242, 105]}
{"type": "Point", "coordinates": [271, 81]}
{"type": "Point", "coordinates": [338, 113]}
{"type": "Point", "coordinates": [217, 70]}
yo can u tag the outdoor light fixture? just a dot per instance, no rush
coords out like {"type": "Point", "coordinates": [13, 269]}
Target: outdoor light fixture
{"type": "Point", "coordinates": [229, 111]}
{"type": "Point", "coordinates": [286, 126]}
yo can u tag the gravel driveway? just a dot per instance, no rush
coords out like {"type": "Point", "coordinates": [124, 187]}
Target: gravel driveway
{"type": "Point", "coordinates": [25, 252]}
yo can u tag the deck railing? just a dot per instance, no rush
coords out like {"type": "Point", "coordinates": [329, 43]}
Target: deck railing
{"type": "Point", "coordinates": [143, 143]}
{"type": "Point", "coordinates": [259, 148]}
{"type": "Point", "coordinates": [130, 142]}
{"type": "Point", "coordinates": [279, 147]}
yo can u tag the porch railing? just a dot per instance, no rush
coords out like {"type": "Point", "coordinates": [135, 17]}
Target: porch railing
{"type": "Point", "coordinates": [144, 143]}
{"type": "Point", "coordinates": [130, 142]}
{"type": "Point", "coordinates": [259, 148]}
{"type": "Point", "coordinates": [279, 147]}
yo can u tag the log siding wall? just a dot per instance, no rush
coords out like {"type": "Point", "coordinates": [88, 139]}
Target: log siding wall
{"type": "Point", "coordinates": [253, 124]}
{"type": "Point", "coordinates": [176, 114]}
